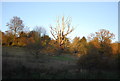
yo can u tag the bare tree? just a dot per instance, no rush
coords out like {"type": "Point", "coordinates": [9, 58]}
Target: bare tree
{"type": "Point", "coordinates": [62, 29]}
{"type": "Point", "coordinates": [103, 36]}
{"type": "Point", "coordinates": [15, 25]}
{"type": "Point", "coordinates": [41, 31]}
{"type": "Point", "coordinates": [103, 40]}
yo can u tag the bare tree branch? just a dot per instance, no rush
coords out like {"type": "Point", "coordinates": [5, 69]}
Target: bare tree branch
{"type": "Point", "coordinates": [61, 30]}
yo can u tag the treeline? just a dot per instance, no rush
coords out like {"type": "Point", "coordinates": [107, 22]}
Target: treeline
{"type": "Point", "coordinates": [97, 51]}
{"type": "Point", "coordinates": [98, 42]}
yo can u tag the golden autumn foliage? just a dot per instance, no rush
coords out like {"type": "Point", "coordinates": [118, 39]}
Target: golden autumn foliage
{"type": "Point", "coordinates": [78, 46]}
{"type": "Point", "coordinates": [97, 43]}
{"type": "Point", "coordinates": [114, 48]}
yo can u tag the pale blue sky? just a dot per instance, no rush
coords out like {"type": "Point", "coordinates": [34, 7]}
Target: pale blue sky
{"type": "Point", "coordinates": [87, 17]}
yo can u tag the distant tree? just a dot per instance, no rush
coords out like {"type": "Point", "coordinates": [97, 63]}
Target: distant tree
{"type": "Point", "coordinates": [38, 39]}
{"type": "Point", "coordinates": [35, 38]}
{"type": "Point", "coordinates": [61, 30]}
{"type": "Point", "coordinates": [15, 25]}
{"type": "Point", "coordinates": [7, 38]}
{"type": "Point", "coordinates": [84, 40]}
{"type": "Point", "coordinates": [37, 33]}
{"type": "Point", "coordinates": [93, 46]}
{"type": "Point", "coordinates": [79, 46]}
{"type": "Point", "coordinates": [75, 45]}
{"type": "Point", "coordinates": [83, 45]}
{"type": "Point", "coordinates": [103, 39]}
{"type": "Point", "coordinates": [41, 30]}
{"type": "Point", "coordinates": [45, 40]}
{"type": "Point", "coordinates": [104, 36]}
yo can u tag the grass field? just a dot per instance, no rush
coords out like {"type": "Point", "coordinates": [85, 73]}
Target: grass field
{"type": "Point", "coordinates": [21, 63]}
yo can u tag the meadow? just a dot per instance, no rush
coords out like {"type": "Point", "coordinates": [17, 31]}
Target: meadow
{"type": "Point", "coordinates": [21, 63]}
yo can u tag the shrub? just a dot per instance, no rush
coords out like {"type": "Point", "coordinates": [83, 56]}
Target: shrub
{"type": "Point", "coordinates": [98, 62]}
{"type": "Point", "coordinates": [89, 61]}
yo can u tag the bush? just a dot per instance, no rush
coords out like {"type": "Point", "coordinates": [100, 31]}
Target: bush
{"type": "Point", "coordinates": [89, 61]}
{"type": "Point", "coordinates": [97, 62]}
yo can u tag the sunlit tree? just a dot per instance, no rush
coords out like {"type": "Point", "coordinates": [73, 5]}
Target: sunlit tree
{"type": "Point", "coordinates": [104, 36]}
{"type": "Point", "coordinates": [75, 45]}
{"type": "Point", "coordinates": [103, 39]}
{"type": "Point", "coordinates": [7, 38]}
{"type": "Point", "coordinates": [79, 46]}
{"type": "Point", "coordinates": [61, 30]}
{"type": "Point", "coordinates": [83, 46]}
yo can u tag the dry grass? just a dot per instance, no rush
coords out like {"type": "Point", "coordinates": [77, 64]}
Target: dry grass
{"type": "Point", "coordinates": [14, 57]}
{"type": "Point", "coordinates": [21, 63]}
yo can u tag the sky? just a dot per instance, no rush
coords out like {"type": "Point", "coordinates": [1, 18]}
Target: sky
{"type": "Point", "coordinates": [87, 17]}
